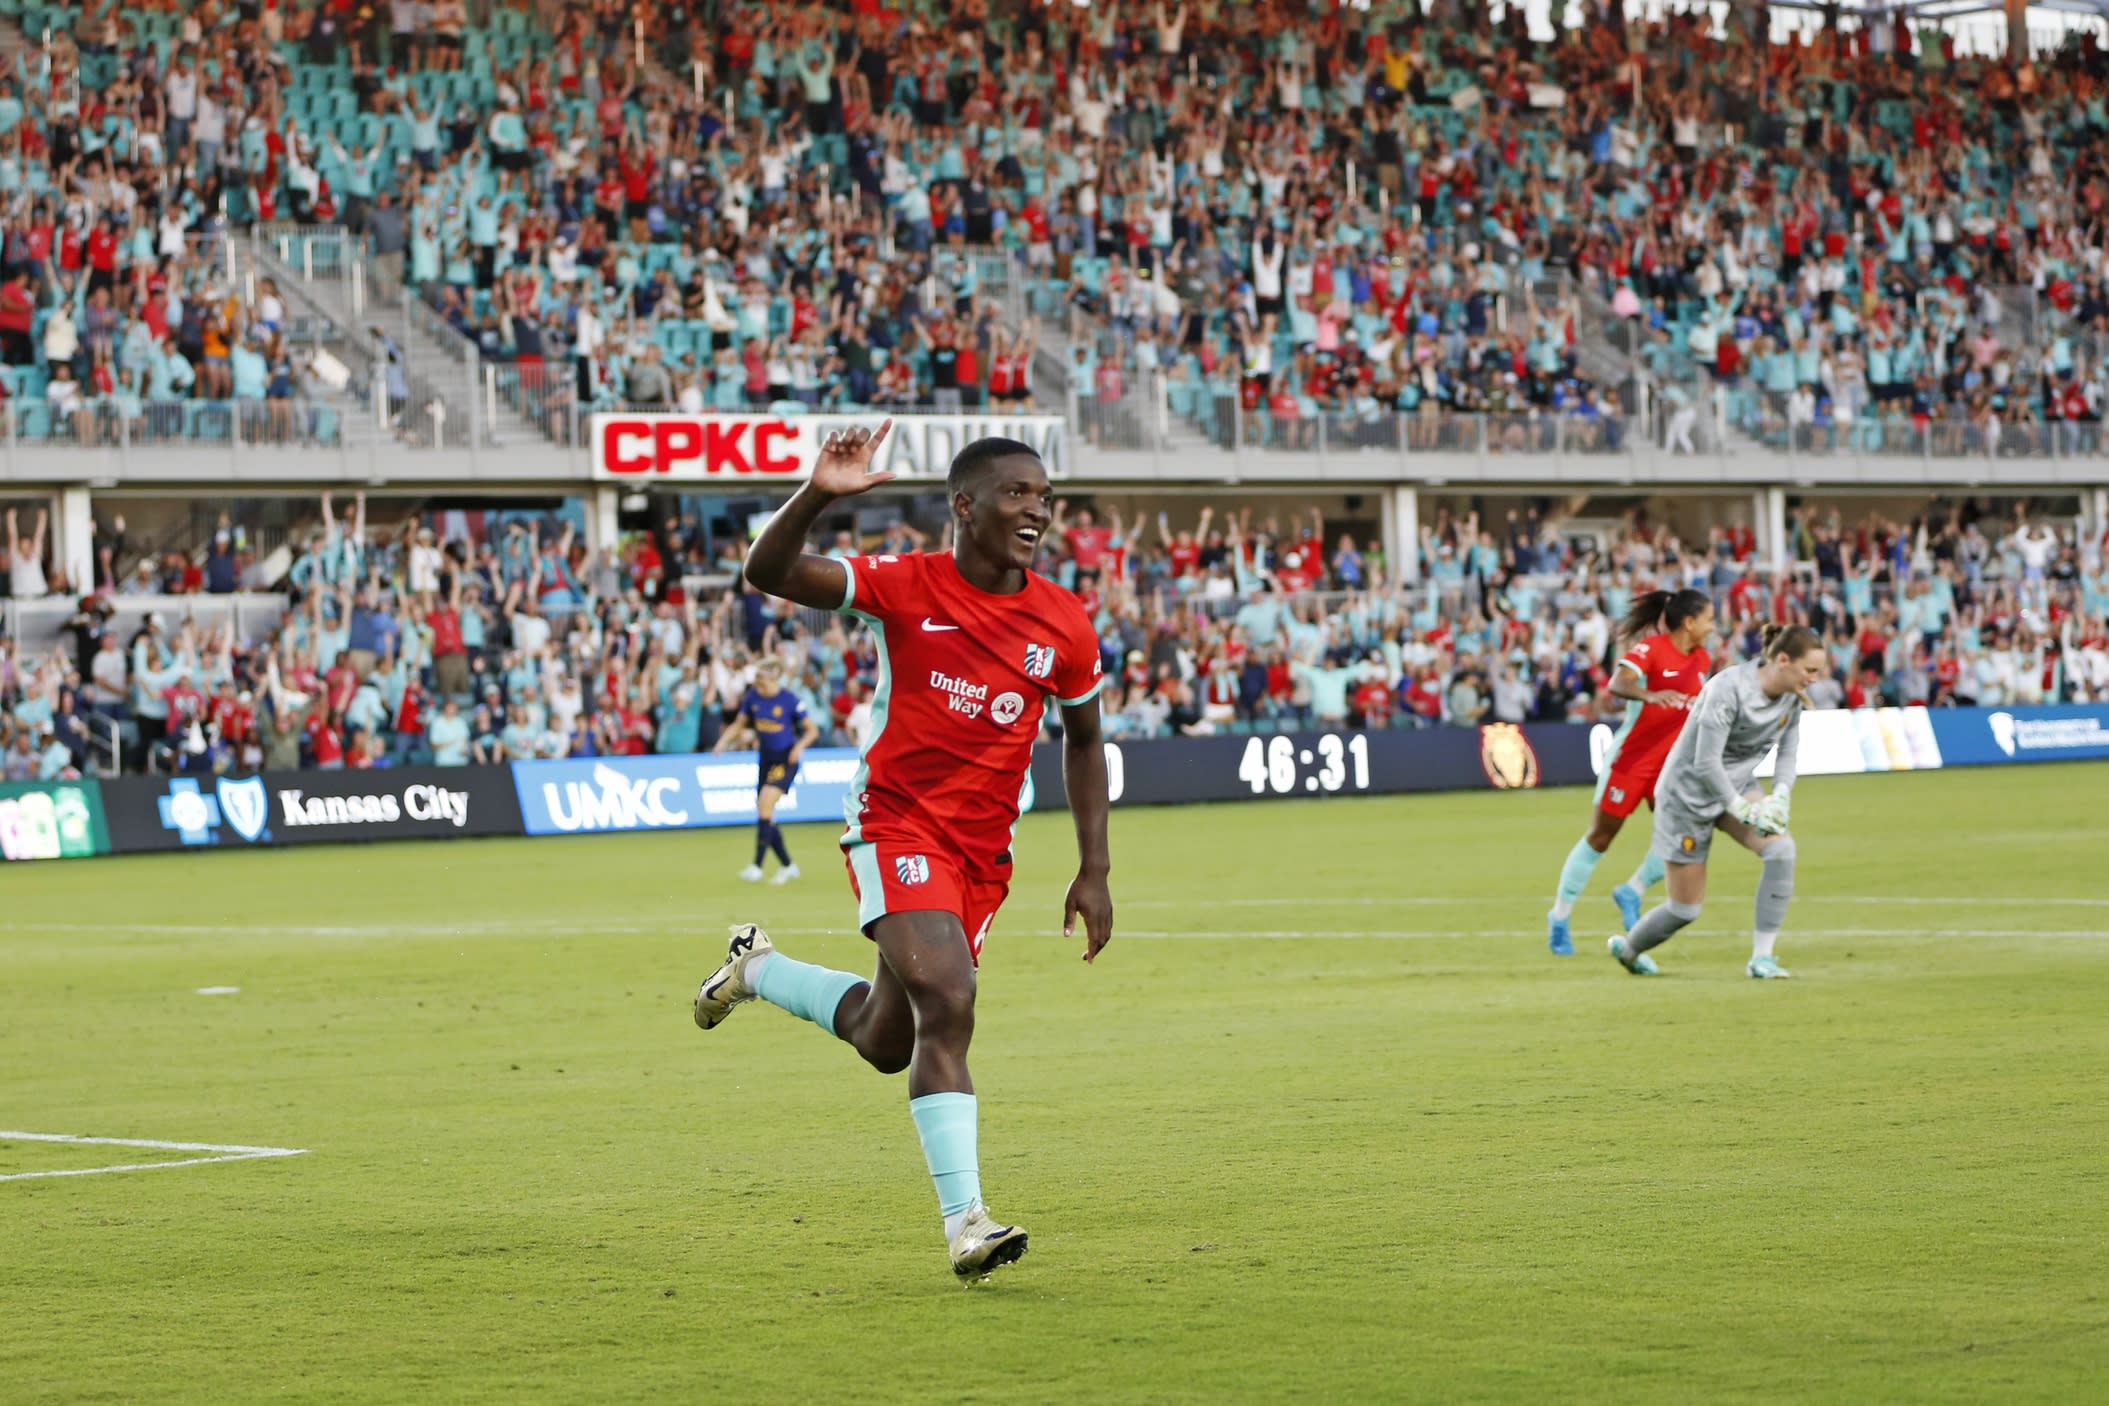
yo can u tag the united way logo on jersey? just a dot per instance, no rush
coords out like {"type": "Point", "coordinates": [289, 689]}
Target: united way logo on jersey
{"type": "Point", "coordinates": [912, 868]}
{"type": "Point", "coordinates": [1006, 708]}
{"type": "Point", "coordinates": [1039, 661]}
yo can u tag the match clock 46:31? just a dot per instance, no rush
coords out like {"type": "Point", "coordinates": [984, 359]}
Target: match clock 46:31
{"type": "Point", "coordinates": [1288, 766]}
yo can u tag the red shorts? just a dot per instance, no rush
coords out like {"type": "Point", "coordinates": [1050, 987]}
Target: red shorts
{"type": "Point", "coordinates": [1622, 791]}
{"type": "Point", "coordinates": [888, 877]}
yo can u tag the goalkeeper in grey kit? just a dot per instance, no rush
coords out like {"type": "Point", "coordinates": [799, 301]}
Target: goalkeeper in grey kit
{"type": "Point", "coordinates": [1709, 783]}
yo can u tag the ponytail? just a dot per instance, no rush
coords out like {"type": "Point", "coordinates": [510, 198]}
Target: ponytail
{"type": "Point", "coordinates": [1659, 612]}
{"type": "Point", "coordinates": [1795, 640]}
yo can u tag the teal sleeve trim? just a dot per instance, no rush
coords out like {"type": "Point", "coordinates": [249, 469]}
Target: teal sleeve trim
{"type": "Point", "coordinates": [1085, 697]}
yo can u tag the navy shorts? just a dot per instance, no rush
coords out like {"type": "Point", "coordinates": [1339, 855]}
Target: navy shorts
{"type": "Point", "coordinates": [779, 772]}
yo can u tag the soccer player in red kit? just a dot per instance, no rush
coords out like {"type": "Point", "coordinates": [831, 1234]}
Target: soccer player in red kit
{"type": "Point", "coordinates": [1658, 676]}
{"type": "Point", "coordinates": [971, 645]}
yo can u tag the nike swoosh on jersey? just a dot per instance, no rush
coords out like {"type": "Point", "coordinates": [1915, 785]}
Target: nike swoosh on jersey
{"type": "Point", "coordinates": [934, 628]}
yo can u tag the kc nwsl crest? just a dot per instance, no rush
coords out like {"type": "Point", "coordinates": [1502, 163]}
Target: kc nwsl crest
{"type": "Point", "coordinates": [912, 869]}
{"type": "Point", "coordinates": [1039, 661]}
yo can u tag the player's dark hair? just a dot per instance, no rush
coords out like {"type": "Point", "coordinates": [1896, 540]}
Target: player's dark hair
{"type": "Point", "coordinates": [969, 462]}
{"type": "Point", "coordinates": [1791, 640]}
{"type": "Point", "coordinates": [1659, 612]}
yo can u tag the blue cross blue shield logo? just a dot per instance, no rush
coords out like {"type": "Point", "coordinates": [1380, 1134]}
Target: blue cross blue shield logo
{"type": "Point", "coordinates": [193, 815]}
{"type": "Point", "coordinates": [245, 806]}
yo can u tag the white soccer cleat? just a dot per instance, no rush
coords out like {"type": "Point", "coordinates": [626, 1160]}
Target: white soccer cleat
{"type": "Point", "coordinates": [752, 874]}
{"type": "Point", "coordinates": [982, 1245]}
{"type": "Point", "coordinates": [785, 874]}
{"type": "Point", "coordinates": [728, 985]}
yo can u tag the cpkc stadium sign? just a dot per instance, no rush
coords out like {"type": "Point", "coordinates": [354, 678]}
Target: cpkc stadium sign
{"type": "Point", "coordinates": [745, 448]}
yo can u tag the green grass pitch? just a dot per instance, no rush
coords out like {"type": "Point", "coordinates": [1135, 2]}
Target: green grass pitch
{"type": "Point", "coordinates": [1325, 1122]}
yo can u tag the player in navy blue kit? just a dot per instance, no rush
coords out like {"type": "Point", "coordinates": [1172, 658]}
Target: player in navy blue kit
{"type": "Point", "coordinates": [774, 721]}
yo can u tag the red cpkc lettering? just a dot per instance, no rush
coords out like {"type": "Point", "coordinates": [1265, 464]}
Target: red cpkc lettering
{"type": "Point", "coordinates": [678, 447]}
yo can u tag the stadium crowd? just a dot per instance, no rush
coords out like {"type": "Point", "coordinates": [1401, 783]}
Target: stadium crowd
{"type": "Point", "coordinates": [510, 640]}
{"type": "Point", "coordinates": [1352, 210]}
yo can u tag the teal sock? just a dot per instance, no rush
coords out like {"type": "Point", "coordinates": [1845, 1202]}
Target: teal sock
{"type": "Point", "coordinates": [806, 991]}
{"type": "Point", "coordinates": [1647, 875]}
{"type": "Point", "coordinates": [945, 1123]}
{"type": "Point", "coordinates": [1574, 877]}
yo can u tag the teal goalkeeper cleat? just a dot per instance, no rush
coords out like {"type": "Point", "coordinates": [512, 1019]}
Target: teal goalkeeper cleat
{"type": "Point", "coordinates": [1767, 968]}
{"type": "Point", "coordinates": [1557, 936]}
{"type": "Point", "coordinates": [1638, 963]}
{"type": "Point", "coordinates": [1628, 900]}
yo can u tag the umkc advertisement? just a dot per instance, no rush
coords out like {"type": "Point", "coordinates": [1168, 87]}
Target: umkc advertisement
{"type": "Point", "coordinates": [613, 795]}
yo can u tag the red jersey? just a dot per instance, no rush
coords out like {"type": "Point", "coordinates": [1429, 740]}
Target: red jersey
{"type": "Point", "coordinates": [963, 682]}
{"type": "Point", "coordinates": [1643, 744]}
{"type": "Point", "coordinates": [324, 742]}
{"type": "Point", "coordinates": [185, 706]}
{"type": "Point", "coordinates": [446, 632]}
{"type": "Point", "coordinates": [235, 719]}
{"type": "Point", "coordinates": [1088, 545]}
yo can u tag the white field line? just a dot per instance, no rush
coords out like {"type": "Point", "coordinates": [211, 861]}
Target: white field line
{"type": "Point", "coordinates": [1414, 900]}
{"type": "Point", "coordinates": [1017, 924]}
{"type": "Point", "coordinates": [229, 1152]}
{"type": "Point", "coordinates": [546, 928]}
{"type": "Point", "coordinates": [1538, 934]}
{"type": "Point", "coordinates": [436, 928]}
{"type": "Point", "coordinates": [1206, 934]}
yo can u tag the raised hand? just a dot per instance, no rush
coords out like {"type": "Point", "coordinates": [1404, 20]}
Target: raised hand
{"type": "Point", "coordinates": [844, 466]}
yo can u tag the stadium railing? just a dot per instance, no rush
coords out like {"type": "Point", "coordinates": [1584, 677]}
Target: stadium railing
{"type": "Point", "coordinates": [39, 626]}
{"type": "Point", "coordinates": [120, 424]}
{"type": "Point", "coordinates": [1156, 426]}
{"type": "Point", "coordinates": [546, 395]}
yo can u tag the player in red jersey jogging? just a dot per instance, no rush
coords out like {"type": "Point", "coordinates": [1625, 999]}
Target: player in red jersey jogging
{"type": "Point", "coordinates": [971, 646]}
{"type": "Point", "coordinates": [1658, 676]}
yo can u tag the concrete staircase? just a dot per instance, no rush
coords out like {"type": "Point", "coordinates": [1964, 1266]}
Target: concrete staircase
{"type": "Point", "coordinates": [448, 406]}
{"type": "Point", "coordinates": [15, 45]}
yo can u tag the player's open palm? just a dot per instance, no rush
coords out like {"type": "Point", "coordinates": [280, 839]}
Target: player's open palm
{"type": "Point", "coordinates": [844, 466]}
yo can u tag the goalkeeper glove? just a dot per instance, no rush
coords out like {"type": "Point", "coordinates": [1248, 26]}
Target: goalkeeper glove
{"type": "Point", "coordinates": [1747, 811]}
{"type": "Point", "coordinates": [1774, 810]}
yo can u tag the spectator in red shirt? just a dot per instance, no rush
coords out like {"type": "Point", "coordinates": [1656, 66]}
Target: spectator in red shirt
{"type": "Point", "coordinates": [326, 740]}
{"type": "Point", "coordinates": [340, 684]}
{"type": "Point", "coordinates": [450, 657]}
{"type": "Point", "coordinates": [637, 178]}
{"type": "Point", "coordinates": [186, 705]}
{"type": "Point", "coordinates": [233, 716]}
{"type": "Point", "coordinates": [1183, 550]}
{"type": "Point", "coordinates": [410, 718]}
{"type": "Point", "coordinates": [18, 310]}
{"type": "Point", "coordinates": [1088, 542]}
{"type": "Point", "coordinates": [1424, 695]}
{"type": "Point", "coordinates": [1372, 702]}
{"type": "Point", "coordinates": [102, 255]}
